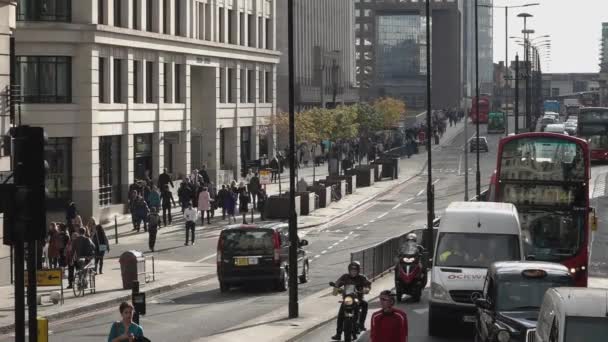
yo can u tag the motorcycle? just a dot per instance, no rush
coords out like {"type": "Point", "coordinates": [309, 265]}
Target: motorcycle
{"type": "Point", "coordinates": [410, 275]}
{"type": "Point", "coordinates": [352, 308]}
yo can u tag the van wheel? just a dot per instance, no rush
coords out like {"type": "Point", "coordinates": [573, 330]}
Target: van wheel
{"type": "Point", "coordinates": [433, 327]}
{"type": "Point", "coordinates": [224, 287]}
{"type": "Point", "coordinates": [304, 276]}
{"type": "Point", "coordinates": [283, 281]}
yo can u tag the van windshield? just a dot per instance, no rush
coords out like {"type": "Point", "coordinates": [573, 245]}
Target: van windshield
{"type": "Point", "coordinates": [248, 242]}
{"type": "Point", "coordinates": [586, 329]}
{"type": "Point", "coordinates": [475, 250]}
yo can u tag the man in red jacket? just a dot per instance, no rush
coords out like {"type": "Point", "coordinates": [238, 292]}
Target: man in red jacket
{"type": "Point", "coordinates": [388, 324]}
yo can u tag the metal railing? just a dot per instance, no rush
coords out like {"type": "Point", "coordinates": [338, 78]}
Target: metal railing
{"type": "Point", "coordinates": [380, 258]}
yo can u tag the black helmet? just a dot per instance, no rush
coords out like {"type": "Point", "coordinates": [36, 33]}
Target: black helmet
{"type": "Point", "coordinates": [354, 265]}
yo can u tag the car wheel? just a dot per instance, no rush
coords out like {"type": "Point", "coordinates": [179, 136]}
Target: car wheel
{"type": "Point", "coordinates": [283, 281]}
{"type": "Point", "coordinates": [304, 276]}
{"type": "Point", "coordinates": [434, 327]}
{"type": "Point", "coordinates": [224, 287]}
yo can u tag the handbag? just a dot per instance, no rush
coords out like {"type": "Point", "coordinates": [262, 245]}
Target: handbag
{"type": "Point", "coordinates": [103, 248]}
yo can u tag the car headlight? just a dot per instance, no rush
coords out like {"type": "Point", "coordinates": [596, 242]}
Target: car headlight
{"type": "Point", "coordinates": [348, 300]}
{"type": "Point", "coordinates": [503, 336]}
{"type": "Point", "coordinates": [438, 292]}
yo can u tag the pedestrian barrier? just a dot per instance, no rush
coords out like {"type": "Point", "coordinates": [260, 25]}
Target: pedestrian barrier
{"type": "Point", "coordinates": [380, 258]}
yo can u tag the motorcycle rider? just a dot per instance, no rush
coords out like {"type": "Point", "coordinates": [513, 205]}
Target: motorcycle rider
{"type": "Point", "coordinates": [362, 284]}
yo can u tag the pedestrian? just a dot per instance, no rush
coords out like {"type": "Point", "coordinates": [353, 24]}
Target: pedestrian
{"type": "Point", "coordinates": [222, 200]}
{"type": "Point", "coordinates": [102, 246]}
{"type": "Point", "coordinates": [91, 225]}
{"type": "Point", "coordinates": [274, 165]}
{"type": "Point", "coordinates": [153, 198]}
{"type": "Point", "coordinates": [70, 214]}
{"type": "Point", "coordinates": [388, 323]}
{"type": "Point", "coordinates": [166, 198]}
{"type": "Point", "coordinates": [190, 215]}
{"type": "Point", "coordinates": [205, 175]}
{"type": "Point", "coordinates": [65, 239]}
{"type": "Point", "coordinates": [132, 199]}
{"type": "Point", "coordinates": [262, 197]}
{"type": "Point", "coordinates": [153, 224]}
{"type": "Point", "coordinates": [76, 224]}
{"type": "Point", "coordinates": [55, 242]}
{"type": "Point", "coordinates": [244, 200]}
{"type": "Point", "coordinates": [141, 213]}
{"type": "Point", "coordinates": [213, 195]}
{"type": "Point", "coordinates": [204, 205]}
{"type": "Point", "coordinates": [164, 179]}
{"type": "Point", "coordinates": [254, 188]}
{"type": "Point", "coordinates": [125, 330]}
{"type": "Point", "coordinates": [184, 194]}
{"type": "Point", "coordinates": [69, 255]}
{"type": "Point", "coordinates": [231, 205]}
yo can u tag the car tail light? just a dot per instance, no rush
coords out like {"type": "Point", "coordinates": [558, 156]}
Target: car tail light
{"type": "Point", "coordinates": [277, 248]}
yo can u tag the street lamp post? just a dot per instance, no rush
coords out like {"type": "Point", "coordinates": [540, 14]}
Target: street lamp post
{"type": "Point", "coordinates": [478, 172]}
{"type": "Point", "coordinates": [430, 193]}
{"type": "Point", "coordinates": [525, 31]}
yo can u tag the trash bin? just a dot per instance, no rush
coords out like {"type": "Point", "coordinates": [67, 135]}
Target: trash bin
{"type": "Point", "coordinates": [132, 267]}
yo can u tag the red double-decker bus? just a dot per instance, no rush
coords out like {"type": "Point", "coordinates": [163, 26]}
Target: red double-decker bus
{"type": "Point", "coordinates": [484, 110]}
{"type": "Point", "coordinates": [593, 127]}
{"type": "Point", "coordinates": [546, 176]}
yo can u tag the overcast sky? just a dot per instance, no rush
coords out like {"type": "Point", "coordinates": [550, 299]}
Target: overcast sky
{"type": "Point", "coordinates": [574, 25]}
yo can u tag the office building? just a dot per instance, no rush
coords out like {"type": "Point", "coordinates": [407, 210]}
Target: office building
{"type": "Point", "coordinates": [486, 47]}
{"type": "Point", "coordinates": [127, 88]}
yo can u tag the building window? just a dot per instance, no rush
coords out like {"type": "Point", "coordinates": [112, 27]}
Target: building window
{"type": "Point", "coordinates": [135, 11]}
{"type": "Point", "coordinates": [243, 85]}
{"type": "Point", "coordinates": [245, 144]}
{"type": "Point", "coordinates": [242, 27]}
{"type": "Point", "coordinates": [117, 13]}
{"type": "Point", "coordinates": [268, 34]}
{"type": "Point", "coordinates": [222, 85]}
{"type": "Point", "coordinates": [251, 30]}
{"type": "Point", "coordinates": [110, 184]}
{"type": "Point", "coordinates": [178, 84]}
{"type": "Point", "coordinates": [251, 86]}
{"type": "Point", "coordinates": [102, 80]}
{"type": "Point", "coordinates": [166, 80]}
{"type": "Point", "coordinates": [136, 86]}
{"type": "Point", "coordinates": [231, 79]}
{"type": "Point", "coordinates": [261, 33]}
{"type": "Point", "coordinates": [58, 154]}
{"type": "Point", "coordinates": [222, 27]}
{"type": "Point", "coordinates": [101, 12]}
{"type": "Point", "coordinates": [222, 147]}
{"type": "Point", "coordinates": [231, 33]}
{"type": "Point", "coordinates": [45, 10]}
{"type": "Point", "coordinates": [261, 85]}
{"type": "Point", "coordinates": [45, 79]}
{"type": "Point", "coordinates": [149, 15]}
{"type": "Point", "coordinates": [554, 92]}
{"type": "Point", "coordinates": [166, 17]}
{"type": "Point", "coordinates": [176, 15]}
{"type": "Point", "coordinates": [118, 81]}
{"type": "Point", "coordinates": [143, 156]}
{"type": "Point", "coordinates": [268, 87]}
{"type": "Point", "coordinates": [149, 82]}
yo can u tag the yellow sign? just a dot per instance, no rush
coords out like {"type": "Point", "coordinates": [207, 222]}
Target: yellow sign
{"type": "Point", "coordinates": [50, 277]}
{"type": "Point", "coordinates": [265, 177]}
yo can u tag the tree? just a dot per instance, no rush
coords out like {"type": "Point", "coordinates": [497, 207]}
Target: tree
{"type": "Point", "coordinates": [368, 118]}
{"type": "Point", "coordinates": [391, 110]}
{"type": "Point", "coordinates": [345, 124]}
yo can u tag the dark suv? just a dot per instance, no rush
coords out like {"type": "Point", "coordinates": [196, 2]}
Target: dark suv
{"type": "Point", "coordinates": [255, 253]}
{"type": "Point", "coordinates": [483, 144]}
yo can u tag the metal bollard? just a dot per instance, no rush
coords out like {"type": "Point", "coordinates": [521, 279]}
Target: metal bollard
{"type": "Point", "coordinates": [134, 293]}
{"type": "Point", "coordinates": [115, 230]}
{"type": "Point", "coordinates": [43, 329]}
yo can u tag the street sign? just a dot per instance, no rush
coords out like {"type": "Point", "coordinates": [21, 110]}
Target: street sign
{"type": "Point", "coordinates": [264, 177]}
{"type": "Point", "coordinates": [50, 277]}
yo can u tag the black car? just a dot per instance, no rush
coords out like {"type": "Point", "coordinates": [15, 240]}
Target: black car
{"type": "Point", "coordinates": [483, 144]}
{"type": "Point", "coordinates": [512, 296]}
{"type": "Point", "coordinates": [257, 253]}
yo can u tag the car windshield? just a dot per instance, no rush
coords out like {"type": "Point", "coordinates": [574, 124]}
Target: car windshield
{"type": "Point", "coordinates": [524, 293]}
{"type": "Point", "coordinates": [476, 250]}
{"type": "Point", "coordinates": [248, 242]}
{"type": "Point", "coordinates": [586, 329]}
{"type": "Point", "coordinates": [552, 235]}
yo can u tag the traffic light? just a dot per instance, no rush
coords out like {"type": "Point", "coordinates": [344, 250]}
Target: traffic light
{"type": "Point", "coordinates": [29, 173]}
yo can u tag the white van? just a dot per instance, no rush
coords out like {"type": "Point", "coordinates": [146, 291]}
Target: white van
{"type": "Point", "coordinates": [471, 236]}
{"type": "Point", "coordinates": [556, 128]}
{"type": "Point", "coordinates": [573, 314]}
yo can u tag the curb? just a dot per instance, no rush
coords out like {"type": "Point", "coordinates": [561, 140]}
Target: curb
{"type": "Point", "coordinates": [111, 302]}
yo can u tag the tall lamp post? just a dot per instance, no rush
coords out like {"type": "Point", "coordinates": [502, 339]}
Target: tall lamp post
{"type": "Point", "coordinates": [478, 172]}
{"type": "Point", "coordinates": [525, 31]}
{"type": "Point", "coordinates": [430, 193]}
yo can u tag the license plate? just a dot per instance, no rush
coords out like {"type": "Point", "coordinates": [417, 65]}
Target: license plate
{"type": "Point", "coordinates": [246, 261]}
{"type": "Point", "coordinates": [469, 319]}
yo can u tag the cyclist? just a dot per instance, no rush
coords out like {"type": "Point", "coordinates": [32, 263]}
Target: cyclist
{"type": "Point", "coordinates": [84, 248]}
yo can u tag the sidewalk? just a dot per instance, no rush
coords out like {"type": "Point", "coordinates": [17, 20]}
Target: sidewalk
{"type": "Point", "coordinates": [175, 274]}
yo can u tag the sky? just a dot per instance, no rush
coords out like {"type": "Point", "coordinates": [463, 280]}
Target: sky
{"type": "Point", "coordinates": [575, 27]}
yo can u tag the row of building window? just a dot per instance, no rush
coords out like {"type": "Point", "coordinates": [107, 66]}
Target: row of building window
{"type": "Point", "coordinates": [228, 88]}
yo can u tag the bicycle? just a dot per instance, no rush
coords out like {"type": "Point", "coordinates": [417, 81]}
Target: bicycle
{"type": "Point", "coordinates": [84, 278]}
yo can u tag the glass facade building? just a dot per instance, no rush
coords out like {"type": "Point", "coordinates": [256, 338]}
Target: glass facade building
{"type": "Point", "coordinates": [401, 47]}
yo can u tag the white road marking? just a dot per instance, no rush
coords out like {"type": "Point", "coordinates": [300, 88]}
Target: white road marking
{"type": "Point", "coordinates": [351, 233]}
{"type": "Point", "coordinates": [372, 221]}
{"type": "Point", "coordinates": [206, 258]}
{"type": "Point", "coordinates": [317, 256]}
{"type": "Point", "coordinates": [335, 244]}
{"type": "Point", "coordinates": [323, 252]}
{"type": "Point", "coordinates": [420, 192]}
{"type": "Point", "coordinates": [365, 224]}
{"type": "Point", "coordinates": [330, 247]}
{"type": "Point", "coordinates": [358, 228]}
{"type": "Point", "coordinates": [397, 206]}
{"type": "Point", "coordinates": [381, 216]}
{"type": "Point", "coordinates": [459, 164]}
{"type": "Point", "coordinates": [409, 199]}
{"type": "Point", "coordinates": [437, 180]}
{"type": "Point", "coordinates": [421, 311]}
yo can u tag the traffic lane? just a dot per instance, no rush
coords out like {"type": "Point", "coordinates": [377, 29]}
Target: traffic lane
{"type": "Point", "coordinates": [598, 260]}
{"type": "Point", "coordinates": [417, 316]}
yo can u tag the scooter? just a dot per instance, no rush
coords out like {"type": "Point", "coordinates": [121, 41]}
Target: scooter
{"type": "Point", "coordinates": [410, 276]}
{"type": "Point", "coordinates": [350, 301]}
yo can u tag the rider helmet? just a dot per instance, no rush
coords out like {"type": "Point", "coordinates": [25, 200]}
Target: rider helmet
{"type": "Point", "coordinates": [354, 265]}
{"type": "Point", "coordinates": [412, 237]}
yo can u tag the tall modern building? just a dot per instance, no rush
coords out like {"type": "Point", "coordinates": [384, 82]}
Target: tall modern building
{"type": "Point", "coordinates": [324, 60]}
{"type": "Point", "coordinates": [603, 76]}
{"type": "Point", "coordinates": [486, 47]}
{"type": "Point", "coordinates": [127, 88]}
{"type": "Point", "coordinates": [391, 50]}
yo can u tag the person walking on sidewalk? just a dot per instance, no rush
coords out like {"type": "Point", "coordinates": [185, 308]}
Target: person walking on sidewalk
{"type": "Point", "coordinates": [184, 194]}
{"type": "Point", "coordinates": [254, 188]}
{"type": "Point", "coordinates": [154, 200]}
{"type": "Point", "coordinates": [262, 197]}
{"type": "Point", "coordinates": [70, 215]}
{"type": "Point", "coordinates": [101, 247]}
{"type": "Point", "coordinates": [190, 215]}
{"type": "Point", "coordinates": [230, 204]}
{"type": "Point", "coordinates": [389, 323]}
{"type": "Point", "coordinates": [204, 205]}
{"type": "Point", "coordinates": [244, 200]}
{"type": "Point", "coordinates": [153, 224]}
{"type": "Point", "coordinates": [164, 179]}
{"type": "Point", "coordinates": [222, 200]}
{"type": "Point", "coordinates": [55, 242]}
{"type": "Point", "coordinates": [125, 330]}
{"type": "Point", "coordinates": [141, 212]}
{"type": "Point", "coordinates": [166, 198]}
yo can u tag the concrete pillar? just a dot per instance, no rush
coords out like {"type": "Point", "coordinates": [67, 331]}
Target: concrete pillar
{"type": "Point", "coordinates": [143, 14]}
{"type": "Point", "coordinates": [171, 17]}
{"type": "Point", "coordinates": [157, 16]}
{"type": "Point", "coordinates": [130, 65]}
{"type": "Point", "coordinates": [182, 155]}
{"type": "Point", "coordinates": [158, 154]}
{"type": "Point", "coordinates": [109, 7]}
{"type": "Point", "coordinates": [127, 167]}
